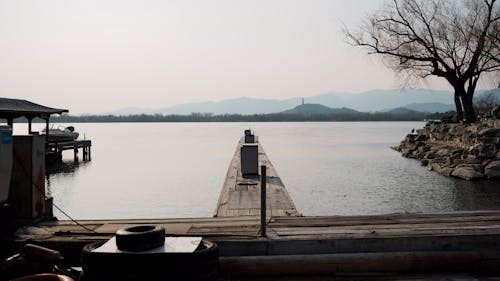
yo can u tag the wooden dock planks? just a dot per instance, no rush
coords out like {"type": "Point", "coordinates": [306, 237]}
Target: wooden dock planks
{"type": "Point", "coordinates": [477, 231]}
{"type": "Point", "coordinates": [241, 196]}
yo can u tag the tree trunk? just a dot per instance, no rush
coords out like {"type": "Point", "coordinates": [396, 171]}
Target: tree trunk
{"type": "Point", "coordinates": [458, 106]}
{"type": "Point", "coordinates": [470, 114]}
{"type": "Point", "coordinates": [468, 105]}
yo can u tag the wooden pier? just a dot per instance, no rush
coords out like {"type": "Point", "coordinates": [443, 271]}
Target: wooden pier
{"type": "Point", "coordinates": [55, 149]}
{"type": "Point", "coordinates": [240, 196]}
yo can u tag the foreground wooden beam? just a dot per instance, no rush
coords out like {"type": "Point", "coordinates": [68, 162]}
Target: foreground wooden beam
{"type": "Point", "coordinates": [408, 242]}
{"type": "Point", "coordinates": [354, 263]}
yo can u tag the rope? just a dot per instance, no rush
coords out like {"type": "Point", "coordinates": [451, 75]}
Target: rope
{"type": "Point", "coordinates": [39, 189]}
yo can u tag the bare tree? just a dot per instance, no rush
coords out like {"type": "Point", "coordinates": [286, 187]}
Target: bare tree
{"type": "Point", "coordinates": [456, 40]}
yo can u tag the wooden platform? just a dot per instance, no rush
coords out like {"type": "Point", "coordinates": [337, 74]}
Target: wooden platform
{"type": "Point", "coordinates": [55, 149]}
{"type": "Point", "coordinates": [241, 196]}
{"type": "Point", "coordinates": [468, 240]}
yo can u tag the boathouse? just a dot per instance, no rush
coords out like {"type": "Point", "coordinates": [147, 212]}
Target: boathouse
{"type": "Point", "coordinates": [11, 109]}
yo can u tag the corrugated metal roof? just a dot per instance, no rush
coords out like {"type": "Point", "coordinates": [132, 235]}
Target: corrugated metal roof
{"type": "Point", "coordinates": [13, 108]}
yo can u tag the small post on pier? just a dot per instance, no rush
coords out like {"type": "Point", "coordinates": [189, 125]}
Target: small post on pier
{"type": "Point", "coordinates": [75, 151]}
{"type": "Point", "coordinates": [263, 211]}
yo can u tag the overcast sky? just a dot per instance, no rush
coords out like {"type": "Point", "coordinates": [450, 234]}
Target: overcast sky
{"type": "Point", "coordinates": [94, 56]}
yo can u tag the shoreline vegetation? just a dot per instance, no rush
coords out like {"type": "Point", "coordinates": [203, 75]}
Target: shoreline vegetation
{"type": "Point", "coordinates": [273, 117]}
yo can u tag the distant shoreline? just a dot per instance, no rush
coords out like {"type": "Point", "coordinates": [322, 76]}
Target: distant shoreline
{"type": "Point", "coordinates": [276, 117]}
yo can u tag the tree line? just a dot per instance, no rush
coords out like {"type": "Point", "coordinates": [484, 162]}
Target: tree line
{"type": "Point", "coordinates": [272, 117]}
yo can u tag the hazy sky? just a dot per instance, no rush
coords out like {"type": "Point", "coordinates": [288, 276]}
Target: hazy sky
{"type": "Point", "coordinates": [100, 55]}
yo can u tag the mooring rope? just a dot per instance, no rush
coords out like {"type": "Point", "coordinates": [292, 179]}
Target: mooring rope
{"type": "Point", "coordinates": [42, 192]}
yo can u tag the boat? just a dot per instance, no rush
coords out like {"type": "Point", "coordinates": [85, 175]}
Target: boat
{"type": "Point", "coordinates": [61, 134]}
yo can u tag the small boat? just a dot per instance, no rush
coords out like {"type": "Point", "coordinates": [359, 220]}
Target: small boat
{"type": "Point", "coordinates": [62, 134]}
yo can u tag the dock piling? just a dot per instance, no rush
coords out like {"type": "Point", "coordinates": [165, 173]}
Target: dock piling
{"type": "Point", "coordinates": [55, 150]}
{"type": "Point", "coordinates": [263, 211]}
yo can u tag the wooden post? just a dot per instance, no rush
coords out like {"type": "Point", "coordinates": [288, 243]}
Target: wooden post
{"type": "Point", "coordinates": [29, 124]}
{"type": "Point", "coordinates": [75, 150]}
{"type": "Point", "coordinates": [263, 180]}
{"type": "Point", "coordinates": [47, 132]}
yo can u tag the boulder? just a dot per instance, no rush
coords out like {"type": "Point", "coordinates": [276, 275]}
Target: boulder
{"type": "Point", "coordinates": [492, 170]}
{"type": "Point", "coordinates": [431, 154]}
{"type": "Point", "coordinates": [476, 167]}
{"type": "Point", "coordinates": [495, 112]}
{"type": "Point", "coordinates": [466, 173]}
{"type": "Point", "coordinates": [421, 138]}
{"type": "Point", "coordinates": [489, 132]}
{"type": "Point", "coordinates": [442, 152]}
{"type": "Point", "coordinates": [472, 160]}
{"type": "Point", "coordinates": [435, 167]}
{"type": "Point", "coordinates": [456, 149]}
{"type": "Point", "coordinates": [445, 171]}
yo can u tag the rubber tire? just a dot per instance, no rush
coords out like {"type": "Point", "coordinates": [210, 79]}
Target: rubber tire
{"type": "Point", "coordinates": [140, 238]}
{"type": "Point", "coordinates": [202, 265]}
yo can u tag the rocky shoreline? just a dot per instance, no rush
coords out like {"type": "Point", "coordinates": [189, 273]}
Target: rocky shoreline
{"type": "Point", "coordinates": [466, 151]}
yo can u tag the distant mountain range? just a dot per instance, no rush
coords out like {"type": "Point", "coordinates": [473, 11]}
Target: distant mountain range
{"type": "Point", "coordinates": [421, 100]}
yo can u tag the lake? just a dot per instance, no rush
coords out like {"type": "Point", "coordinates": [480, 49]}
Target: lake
{"type": "Point", "coordinates": [164, 170]}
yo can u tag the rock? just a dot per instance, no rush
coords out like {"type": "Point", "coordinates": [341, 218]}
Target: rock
{"type": "Point", "coordinates": [495, 112]}
{"type": "Point", "coordinates": [485, 154]}
{"type": "Point", "coordinates": [457, 149]}
{"type": "Point", "coordinates": [489, 132]}
{"type": "Point", "coordinates": [442, 152]}
{"type": "Point", "coordinates": [435, 167]}
{"type": "Point", "coordinates": [423, 149]}
{"type": "Point", "coordinates": [405, 152]}
{"type": "Point", "coordinates": [421, 138]}
{"type": "Point", "coordinates": [466, 173]}
{"type": "Point", "coordinates": [446, 171]}
{"type": "Point", "coordinates": [472, 160]}
{"type": "Point", "coordinates": [430, 155]}
{"type": "Point", "coordinates": [492, 170]}
{"type": "Point", "coordinates": [410, 138]}
{"type": "Point", "coordinates": [477, 167]}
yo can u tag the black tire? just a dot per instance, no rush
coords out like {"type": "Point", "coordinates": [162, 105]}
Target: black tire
{"type": "Point", "coordinates": [140, 238]}
{"type": "Point", "coordinates": [203, 264]}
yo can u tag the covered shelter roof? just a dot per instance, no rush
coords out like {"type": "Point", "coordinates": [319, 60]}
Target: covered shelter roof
{"type": "Point", "coordinates": [14, 108]}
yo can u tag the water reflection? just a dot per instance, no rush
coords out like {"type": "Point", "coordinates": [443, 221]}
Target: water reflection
{"type": "Point", "coordinates": [469, 195]}
{"type": "Point", "coordinates": [62, 169]}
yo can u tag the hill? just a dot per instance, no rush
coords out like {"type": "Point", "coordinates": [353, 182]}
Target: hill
{"type": "Point", "coordinates": [313, 109]}
{"type": "Point", "coordinates": [423, 100]}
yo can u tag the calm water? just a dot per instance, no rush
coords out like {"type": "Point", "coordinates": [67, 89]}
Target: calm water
{"type": "Point", "coordinates": [159, 170]}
